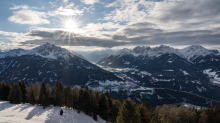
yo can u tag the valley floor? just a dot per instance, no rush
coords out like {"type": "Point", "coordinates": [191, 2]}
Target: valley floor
{"type": "Point", "coordinates": [26, 113]}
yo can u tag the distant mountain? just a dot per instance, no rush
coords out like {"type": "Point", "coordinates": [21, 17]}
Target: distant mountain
{"type": "Point", "coordinates": [167, 74]}
{"type": "Point", "coordinates": [95, 56]}
{"type": "Point", "coordinates": [50, 63]}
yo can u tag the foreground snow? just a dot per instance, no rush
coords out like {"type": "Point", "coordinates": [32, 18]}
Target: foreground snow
{"type": "Point", "coordinates": [26, 113]}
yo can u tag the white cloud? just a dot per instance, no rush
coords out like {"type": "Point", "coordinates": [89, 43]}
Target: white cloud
{"type": "Point", "coordinates": [89, 1]}
{"type": "Point", "coordinates": [67, 10]}
{"type": "Point", "coordinates": [101, 26]}
{"type": "Point", "coordinates": [65, 1]}
{"type": "Point", "coordinates": [16, 7]}
{"type": "Point", "coordinates": [172, 15]}
{"type": "Point", "coordinates": [29, 17]}
{"type": "Point", "coordinates": [17, 37]}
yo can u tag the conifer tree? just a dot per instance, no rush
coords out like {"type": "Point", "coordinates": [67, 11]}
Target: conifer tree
{"type": "Point", "coordinates": [15, 95]}
{"type": "Point", "coordinates": [32, 98]}
{"type": "Point", "coordinates": [29, 91]}
{"type": "Point", "coordinates": [53, 96]}
{"type": "Point", "coordinates": [94, 107]}
{"type": "Point", "coordinates": [75, 97]}
{"type": "Point", "coordinates": [67, 95]}
{"type": "Point", "coordinates": [103, 106]}
{"type": "Point", "coordinates": [86, 101]}
{"type": "Point", "coordinates": [6, 91]}
{"type": "Point", "coordinates": [36, 91]}
{"type": "Point", "coordinates": [128, 113]}
{"type": "Point", "coordinates": [114, 110]}
{"type": "Point", "coordinates": [1, 90]}
{"type": "Point", "coordinates": [145, 115]}
{"type": "Point", "coordinates": [48, 93]}
{"type": "Point", "coordinates": [80, 101]}
{"type": "Point", "coordinates": [58, 97]}
{"type": "Point", "coordinates": [43, 98]}
{"type": "Point", "coordinates": [22, 86]}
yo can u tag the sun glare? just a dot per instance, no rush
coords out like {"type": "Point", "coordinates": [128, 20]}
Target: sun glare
{"type": "Point", "coordinates": [70, 25]}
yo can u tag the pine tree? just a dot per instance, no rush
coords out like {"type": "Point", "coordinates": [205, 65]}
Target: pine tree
{"type": "Point", "coordinates": [94, 107]}
{"type": "Point", "coordinates": [114, 110]}
{"type": "Point", "coordinates": [80, 100]}
{"type": "Point", "coordinates": [67, 94]}
{"type": "Point", "coordinates": [145, 116]}
{"type": "Point", "coordinates": [22, 86]}
{"type": "Point", "coordinates": [1, 90]}
{"type": "Point", "coordinates": [6, 90]}
{"type": "Point", "coordinates": [128, 113]}
{"type": "Point", "coordinates": [29, 91]}
{"type": "Point", "coordinates": [32, 98]}
{"type": "Point", "coordinates": [103, 106]}
{"type": "Point", "coordinates": [58, 97]}
{"type": "Point", "coordinates": [15, 95]}
{"type": "Point", "coordinates": [36, 91]}
{"type": "Point", "coordinates": [48, 93]}
{"type": "Point", "coordinates": [43, 98]}
{"type": "Point", "coordinates": [86, 102]}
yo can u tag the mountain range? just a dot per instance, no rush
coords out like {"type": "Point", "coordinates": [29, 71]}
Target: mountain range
{"type": "Point", "coordinates": [169, 75]}
{"type": "Point", "coordinates": [50, 63]}
{"type": "Point", "coordinates": [160, 75]}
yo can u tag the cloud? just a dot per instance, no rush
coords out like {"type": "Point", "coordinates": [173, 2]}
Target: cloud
{"type": "Point", "coordinates": [65, 1]}
{"type": "Point", "coordinates": [67, 10]}
{"type": "Point", "coordinates": [17, 37]}
{"type": "Point", "coordinates": [101, 26]}
{"type": "Point", "coordinates": [16, 7]}
{"type": "Point", "coordinates": [168, 14]}
{"type": "Point", "coordinates": [29, 17]}
{"type": "Point", "coordinates": [89, 1]}
{"type": "Point", "coordinates": [131, 35]}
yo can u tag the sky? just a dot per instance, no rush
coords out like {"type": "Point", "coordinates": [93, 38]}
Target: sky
{"type": "Point", "coordinates": [82, 25]}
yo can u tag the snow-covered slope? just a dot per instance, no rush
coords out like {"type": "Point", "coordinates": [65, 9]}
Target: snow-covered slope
{"type": "Point", "coordinates": [195, 51]}
{"type": "Point", "coordinates": [26, 113]}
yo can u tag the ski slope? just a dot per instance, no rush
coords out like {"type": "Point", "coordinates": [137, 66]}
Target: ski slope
{"type": "Point", "coordinates": [26, 113]}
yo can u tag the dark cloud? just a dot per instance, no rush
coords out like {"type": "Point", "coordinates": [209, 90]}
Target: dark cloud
{"type": "Point", "coordinates": [189, 9]}
{"type": "Point", "coordinates": [143, 35]}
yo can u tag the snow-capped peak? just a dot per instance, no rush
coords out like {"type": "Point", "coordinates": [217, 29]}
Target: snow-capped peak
{"type": "Point", "coordinates": [51, 51]}
{"type": "Point", "coordinates": [188, 53]}
{"type": "Point", "coordinates": [47, 51]}
{"type": "Point", "coordinates": [195, 51]}
{"type": "Point", "coordinates": [123, 52]}
{"type": "Point", "coordinates": [148, 51]}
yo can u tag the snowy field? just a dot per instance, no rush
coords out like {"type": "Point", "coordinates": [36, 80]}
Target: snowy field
{"type": "Point", "coordinates": [26, 113]}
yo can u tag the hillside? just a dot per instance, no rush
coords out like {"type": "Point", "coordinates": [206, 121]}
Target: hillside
{"type": "Point", "coordinates": [25, 113]}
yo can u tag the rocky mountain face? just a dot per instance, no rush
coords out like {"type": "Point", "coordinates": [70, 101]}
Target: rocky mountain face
{"type": "Point", "coordinates": [167, 75]}
{"type": "Point", "coordinates": [50, 63]}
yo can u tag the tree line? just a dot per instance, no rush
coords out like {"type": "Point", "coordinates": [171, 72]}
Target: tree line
{"type": "Point", "coordinates": [94, 103]}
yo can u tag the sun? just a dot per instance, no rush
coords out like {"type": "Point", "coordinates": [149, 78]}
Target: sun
{"type": "Point", "coordinates": [70, 25]}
